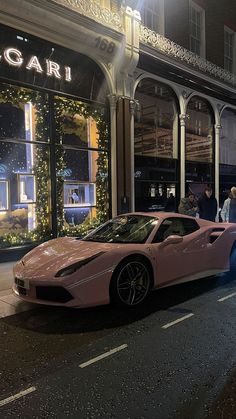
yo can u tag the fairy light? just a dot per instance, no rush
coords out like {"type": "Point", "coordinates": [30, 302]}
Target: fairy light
{"type": "Point", "coordinates": [19, 97]}
{"type": "Point", "coordinates": [76, 107]}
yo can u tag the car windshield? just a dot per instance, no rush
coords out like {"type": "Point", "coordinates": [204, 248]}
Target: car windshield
{"type": "Point", "coordinates": [124, 229]}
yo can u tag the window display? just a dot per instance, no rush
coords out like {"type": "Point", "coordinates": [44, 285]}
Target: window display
{"type": "Point", "coordinates": [24, 162]}
{"type": "Point", "coordinates": [80, 171]}
{"type": "Point", "coordinates": [26, 188]}
{"type": "Point", "coordinates": [82, 165]}
{"type": "Point", "coordinates": [4, 195]}
{"type": "Point", "coordinates": [79, 194]}
{"type": "Point", "coordinates": [54, 150]}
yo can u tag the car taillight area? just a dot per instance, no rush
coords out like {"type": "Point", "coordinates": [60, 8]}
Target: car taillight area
{"type": "Point", "coordinates": [55, 294]}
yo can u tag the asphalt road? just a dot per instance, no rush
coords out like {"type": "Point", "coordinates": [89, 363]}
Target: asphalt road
{"type": "Point", "coordinates": [173, 358]}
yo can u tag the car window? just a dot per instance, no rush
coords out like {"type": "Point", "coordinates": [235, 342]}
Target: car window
{"type": "Point", "coordinates": [124, 229]}
{"type": "Point", "coordinates": [177, 226]}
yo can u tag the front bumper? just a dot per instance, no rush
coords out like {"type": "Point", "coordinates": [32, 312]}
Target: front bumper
{"type": "Point", "coordinates": [42, 294]}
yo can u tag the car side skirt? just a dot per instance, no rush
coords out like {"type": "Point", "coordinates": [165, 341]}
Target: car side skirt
{"type": "Point", "coordinates": [199, 275]}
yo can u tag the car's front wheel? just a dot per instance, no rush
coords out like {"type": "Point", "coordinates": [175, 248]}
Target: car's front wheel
{"type": "Point", "coordinates": [131, 282]}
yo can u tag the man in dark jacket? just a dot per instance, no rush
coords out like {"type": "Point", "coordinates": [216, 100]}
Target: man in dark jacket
{"type": "Point", "coordinates": [207, 205]}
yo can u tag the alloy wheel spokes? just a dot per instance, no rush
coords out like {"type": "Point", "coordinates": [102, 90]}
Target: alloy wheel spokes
{"type": "Point", "coordinates": [133, 283]}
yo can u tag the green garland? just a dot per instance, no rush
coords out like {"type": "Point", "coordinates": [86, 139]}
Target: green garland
{"type": "Point", "coordinates": [18, 96]}
{"type": "Point", "coordinates": [75, 107]}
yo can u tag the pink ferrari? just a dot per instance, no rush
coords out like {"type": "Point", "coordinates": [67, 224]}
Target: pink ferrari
{"type": "Point", "coordinates": [125, 258]}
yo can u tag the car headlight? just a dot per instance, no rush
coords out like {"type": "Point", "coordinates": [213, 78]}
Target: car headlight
{"type": "Point", "coordinates": [68, 270]}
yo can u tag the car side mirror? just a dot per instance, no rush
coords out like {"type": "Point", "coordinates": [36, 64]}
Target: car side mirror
{"type": "Point", "coordinates": [172, 239]}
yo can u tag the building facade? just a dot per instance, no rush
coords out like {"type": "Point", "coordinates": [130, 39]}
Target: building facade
{"type": "Point", "coordinates": [109, 107]}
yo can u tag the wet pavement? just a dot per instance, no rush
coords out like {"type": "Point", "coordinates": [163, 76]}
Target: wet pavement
{"type": "Point", "coordinates": [184, 371]}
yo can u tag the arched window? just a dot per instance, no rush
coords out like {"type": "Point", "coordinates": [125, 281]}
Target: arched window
{"type": "Point", "coordinates": [199, 144]}
{"type": "Point", "coordinates": [227, 152]}
{"type": "Point", "coordinates": [155, 145]}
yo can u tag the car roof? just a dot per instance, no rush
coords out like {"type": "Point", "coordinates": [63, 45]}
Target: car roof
{"type": "Point", "coordinates": [162, 215]}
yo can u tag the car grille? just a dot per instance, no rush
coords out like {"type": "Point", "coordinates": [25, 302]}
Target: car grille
{"type": "Point", "coordinates": [54, 294]}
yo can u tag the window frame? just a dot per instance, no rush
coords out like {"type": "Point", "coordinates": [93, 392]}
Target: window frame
{"type": "Point", "coordinates": [182, 219]}
{"type": "Point", "coordinates": [229, 32]}
{"type": "Point", "coordinates": [194, 6]}
{"type": "Point", "coordinates": [156, 10]}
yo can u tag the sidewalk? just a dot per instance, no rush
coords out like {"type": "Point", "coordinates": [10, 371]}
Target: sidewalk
{"type": "Point", "coordinates": [9, 303]}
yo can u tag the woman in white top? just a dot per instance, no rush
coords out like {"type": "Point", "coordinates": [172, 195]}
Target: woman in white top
{"type": "Point", "coordinates": [225, 210]}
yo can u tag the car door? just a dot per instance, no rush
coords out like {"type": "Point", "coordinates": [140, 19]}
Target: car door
{"type": "Point", "coordinates": [180, 260]}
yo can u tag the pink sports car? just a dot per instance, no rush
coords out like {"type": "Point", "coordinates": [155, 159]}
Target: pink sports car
{"type": "Point", "coordinates": [125, 258]}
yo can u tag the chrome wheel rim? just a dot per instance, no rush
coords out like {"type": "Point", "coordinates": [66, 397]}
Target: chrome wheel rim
{"type": "Point", "coordinates": [133, 283]}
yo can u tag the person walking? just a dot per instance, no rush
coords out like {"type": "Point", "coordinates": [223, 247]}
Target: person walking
{"type": "Point", "coordinates": [232, 206]}
{"type": "Point", "coordinates": [225, 209]}
{"type": "Point", "coordinates": [188, 205]}
{"type": "Point", "coordinates": [228, 216]}
{"type": "Point", "coordinates": [207, 205]}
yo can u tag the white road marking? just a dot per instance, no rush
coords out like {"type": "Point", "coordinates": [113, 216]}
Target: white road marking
{"type": "Point", "coordinates": [17, 396]}
{"type": "Point", "coordinates": [177, 321]}
{"type": "Point", "coordinates": [226, 297]}
{"type": "Point", "coordinates": [111, 352]}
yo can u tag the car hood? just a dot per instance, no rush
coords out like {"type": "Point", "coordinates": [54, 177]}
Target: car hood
{"type": "Point", "coordinates": [56, 254]}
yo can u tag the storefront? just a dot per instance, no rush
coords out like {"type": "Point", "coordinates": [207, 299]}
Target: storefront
{"type": "Point", "coordinates": [54, 141]}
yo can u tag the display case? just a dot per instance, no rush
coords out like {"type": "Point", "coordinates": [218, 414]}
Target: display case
{"type": "Point", "coordinates": [79, 194]}
{"type": "Point", "coordinates": [26, 188]}
{"type": "Point", "coordinates": [4, 195]}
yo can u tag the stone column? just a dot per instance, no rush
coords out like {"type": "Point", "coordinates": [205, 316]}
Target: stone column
{"type": "Point", "coordinates": [182, 118]}
{"type": "Point", "coordinates": [133, 104]}
{"type": "Point", "coordinates": [113, 103]}
{"type": "Point", "coordinates": [217, 160]}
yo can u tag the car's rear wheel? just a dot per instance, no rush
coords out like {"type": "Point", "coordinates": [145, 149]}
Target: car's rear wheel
{"type": "Point", "coordinates": [131, 282]}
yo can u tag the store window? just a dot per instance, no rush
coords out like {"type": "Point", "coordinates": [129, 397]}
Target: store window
{"type": "Point", "coordinates": [199, 145]}
{"type": "Point", "coordinates": [53, 151]}
{"type": "Point", "coordinates": [81, 165]}
{"type": "Point", "coordinates": [155, 145]}
{"type": "Point", "coordinates": [227, 152]}
{"type": "Point", "coordinates": [24, 166]}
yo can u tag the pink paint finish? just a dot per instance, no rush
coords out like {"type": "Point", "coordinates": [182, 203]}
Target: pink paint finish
{"type": "Point", "coordinates": [123, 260]}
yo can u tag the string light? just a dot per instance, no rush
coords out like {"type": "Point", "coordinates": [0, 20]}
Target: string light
{"type": "Point", "coordinates": [18, 97]}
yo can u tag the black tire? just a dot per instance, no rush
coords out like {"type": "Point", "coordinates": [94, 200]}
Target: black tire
{"type": "Point", "coordinates": [131, 282]}
{"type": "Point", "coordinates": [233, 259]}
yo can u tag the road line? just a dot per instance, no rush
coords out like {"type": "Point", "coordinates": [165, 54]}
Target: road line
{"type": "Point", "coordinates": [98, 358]}
{"type": "Point", "coordinates": [226, 297]}
{"type": "Point", "coordinates": [177, 321]}
{"type": "Point", "coordinates": [17, 396]}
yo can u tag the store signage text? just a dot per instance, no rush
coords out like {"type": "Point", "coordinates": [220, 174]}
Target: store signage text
{"type": "Point", "coordinates": [14, 58]}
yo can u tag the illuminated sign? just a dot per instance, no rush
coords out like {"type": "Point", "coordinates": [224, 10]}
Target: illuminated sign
{"type": "Point", "coordinates": [13, 57]}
